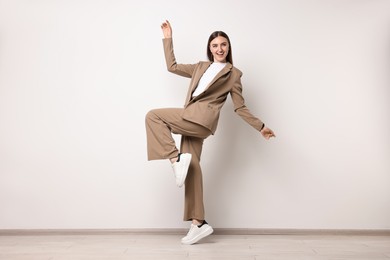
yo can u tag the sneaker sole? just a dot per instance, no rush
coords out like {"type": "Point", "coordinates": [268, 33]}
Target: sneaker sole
{"type": "Point", "coordinates": [206, 233]}
{"type": "Point", "coordinates": [187, 161]}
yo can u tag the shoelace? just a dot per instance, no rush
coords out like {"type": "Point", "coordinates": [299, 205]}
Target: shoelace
{"type": "Point", "coordinates": [193, 227]}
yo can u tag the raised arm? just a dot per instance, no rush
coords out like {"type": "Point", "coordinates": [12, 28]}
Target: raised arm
{"type": "Point", "coordinates": [185, 70]}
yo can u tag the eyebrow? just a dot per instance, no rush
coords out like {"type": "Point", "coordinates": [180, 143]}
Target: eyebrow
{"type": "Point", "coordinates": [221, 43]}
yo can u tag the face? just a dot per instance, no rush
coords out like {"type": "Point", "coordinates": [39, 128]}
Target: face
{"type": "Point", "coordinates": [219, 47]}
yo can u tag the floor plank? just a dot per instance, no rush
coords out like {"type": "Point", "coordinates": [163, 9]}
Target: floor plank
{"type": "Point", "coordinates": [160, 246]}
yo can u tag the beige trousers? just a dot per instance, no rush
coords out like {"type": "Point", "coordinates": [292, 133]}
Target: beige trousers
{"type": "Point", "coordinates": [160, 124]}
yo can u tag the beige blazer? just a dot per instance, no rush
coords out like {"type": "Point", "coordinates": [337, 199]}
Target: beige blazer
{"type": "Point", "coordinates": [205, 108]}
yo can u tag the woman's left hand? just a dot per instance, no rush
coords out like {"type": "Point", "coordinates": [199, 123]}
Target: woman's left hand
{"type": "Point", "coordinates": [267, 133]}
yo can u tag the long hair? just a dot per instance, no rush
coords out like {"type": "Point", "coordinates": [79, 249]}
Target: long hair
{"type": "Point", "coordinates": [214, 35]}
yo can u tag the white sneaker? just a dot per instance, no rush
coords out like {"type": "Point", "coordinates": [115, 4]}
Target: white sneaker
{"type": "Point", "coordinates": [197, 233]}
{"type": "Point", "coordinates": [180, 168]}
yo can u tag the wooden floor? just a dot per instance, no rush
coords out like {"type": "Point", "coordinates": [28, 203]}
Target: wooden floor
{"type": "Point", "coordinates": [159, 246]}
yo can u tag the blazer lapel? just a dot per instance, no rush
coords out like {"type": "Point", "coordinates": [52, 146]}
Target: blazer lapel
{"type": "Point", "coordinates": [195, 83]}
{"type": "Point", "coordinates": [202, 70]}
{"type": "Point", "coordinates": [225, 70]}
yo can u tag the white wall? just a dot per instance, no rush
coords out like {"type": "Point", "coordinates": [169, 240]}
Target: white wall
{"type": "Point", "coordinates": [77, 78]}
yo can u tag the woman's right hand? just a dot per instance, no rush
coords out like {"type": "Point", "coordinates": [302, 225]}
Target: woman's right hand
{"type": "Point", "coordinates": [167, 29]}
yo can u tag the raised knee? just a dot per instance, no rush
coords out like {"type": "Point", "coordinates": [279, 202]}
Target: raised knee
{"type": "Point", "coordinates": [150, 115]}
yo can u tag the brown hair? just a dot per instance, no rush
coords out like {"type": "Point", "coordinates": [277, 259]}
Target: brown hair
{"type": "Point", "coordinates": [212, 37]}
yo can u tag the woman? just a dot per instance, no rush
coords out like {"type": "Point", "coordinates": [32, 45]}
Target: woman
{"type": "Point", "coordinates": [211, 82]}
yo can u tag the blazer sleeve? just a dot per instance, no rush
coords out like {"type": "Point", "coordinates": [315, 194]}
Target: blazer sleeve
{"type": "Point", "coordinates": [185, 70]}
{"type": "Point", "coordinates": [240, 107]}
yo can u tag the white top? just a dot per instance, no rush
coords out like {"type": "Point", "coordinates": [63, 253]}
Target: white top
{"type": "Point", "coordinates": [208, 76]}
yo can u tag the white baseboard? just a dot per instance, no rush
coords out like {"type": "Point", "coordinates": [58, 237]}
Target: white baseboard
{"type": "Point", "coordinates": [179, 231]}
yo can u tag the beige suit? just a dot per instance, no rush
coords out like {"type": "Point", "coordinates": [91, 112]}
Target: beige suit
{"type": "Point", "coordinates": [195, 122]}
{"type": "Point", "coordinates": [205, 108]}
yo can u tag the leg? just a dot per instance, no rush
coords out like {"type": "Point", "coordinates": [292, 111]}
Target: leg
{"type": "Point", "coordinates": [194, 208]}
{"type": "Point", "coordinates": [160, 143]}
{"type": "Point", "coordinates": [160, 123]}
